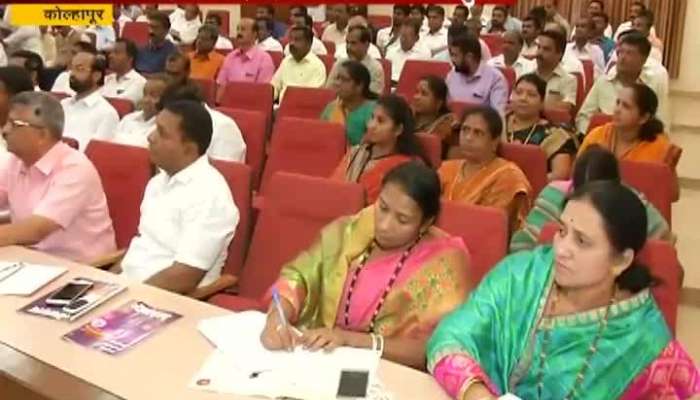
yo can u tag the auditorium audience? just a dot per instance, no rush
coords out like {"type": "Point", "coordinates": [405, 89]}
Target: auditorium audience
{"type": "Point", "coordinates": [512, 55]}
{"type": "Point", "coordinates": [435, 38]}
{"type": "Point", "coordinates": [341, 50]}
{"type": "Point", "coordinates": [87, 114]}
{"type": "Point", "coordinates": [643, 23]}
{"type": "Point", "coordinates": [594, 164]}
{"type": "Point", "coordinates": [355, 103]}
{"type": "Point", "coordinates": [532, 28]}
{"type": "Point", "coordinates": [124, 82]}
{"type": "Point", "coordinates": [498, 21]}
{"type": "Point", "coordinates": [473, 81]}
{"type": "Point", "coordinates": [13, 80]}
{"type": "Point", "coordinates": [386, 37]}
{"type": "Point", "coordinates": [205, 62]}
{"type": "Point", "coordinates": [54, 194]}
{"type": "Point", "coordinates": [134, 128]}
{"type": "Point", "coordinates": [596, 7]}
{"type": "Point", "coordinates": [636, 8]}
{"type": "Point", "coordinates": [152, 57]}
{"type": "Point", "coordinates": [222, 42]}
{"type": "Point", "coordinates": [188, 216]}
{"type": "Point", "coordinates": [300, 21]}
{"type": "Point", "coordinates": [358, 45]}
{"type": "Point", "coordinates": [633, 51]}
{"type": "Point", "coordinates": [581, 47]}
{"type": "Point", "coordinates": [553, 17]}
{"type": "Point", "coordinates": [267, 12]}
{"type": "Point", "coordinates": [600, 21]}
{"type": "Point", "coordinates": [431, 113]}
{"type": "Point", "coordinates": [29, 61]}
{"type": "Point", "coordinates": [184, 26]}
{"type": "Point", "coordinates": [336, 31]}
{"type": "Point", "coordinates": [481, 177]}
{"type": "Point", "coordinates": [409, 48]}
{"type": "Point", "coordinates": [526, 124]}
{"type": "Point", "coordinates": [301, 67]}
{"type": "Point", "coordinates": [62, 82]}
{"type": "Point", "coordinates": [561, 86]}
{"type": "Point", "coordinates": [395, 235]}
{"type": "Point", "coordinates": [390, 140]}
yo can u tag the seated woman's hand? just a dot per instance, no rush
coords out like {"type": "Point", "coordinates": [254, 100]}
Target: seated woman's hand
{"type": "Point", "coordinates": [278, 336]}
{"type": "Point", "coordinates": [323, 338]}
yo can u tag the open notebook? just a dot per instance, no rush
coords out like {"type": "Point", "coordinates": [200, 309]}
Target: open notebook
{"type": "Point", "coordinates": [241, 364]}
{"type": "Point", "coordinates": [23, 279]}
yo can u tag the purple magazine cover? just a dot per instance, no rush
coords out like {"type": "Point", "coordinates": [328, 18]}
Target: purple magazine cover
{"type": "Point", "coordinates": [119, 330]}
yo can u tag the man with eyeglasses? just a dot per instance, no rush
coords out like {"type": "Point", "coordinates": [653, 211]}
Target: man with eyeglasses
{"type": "Point", "coordinates": [54, 194]}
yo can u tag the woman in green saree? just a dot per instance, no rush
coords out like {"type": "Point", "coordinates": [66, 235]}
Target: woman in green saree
{"type": "Point", "coordinates": [575, 320]}
{"type": "Point", "coordinates": [355, 103]}
{"type": "Point", "coordinates": [596, 163]}
{"type": "Point", "coordinates": [384, 275]}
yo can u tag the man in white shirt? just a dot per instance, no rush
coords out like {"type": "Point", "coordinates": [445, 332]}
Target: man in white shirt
{"type": "Point", "coordinates": [103, 36]}
{"type": "Point", "coordinates": [435, 39]}
{"type": "Point", "coordinates": [341, 50]}
{"type": "Point", "coordinates": [390, 35]}
{"type": "Point", "coordinates": [124, 82]}
{"type": "Point", "coordinates": [317, 46]}
{"type": "Point", "coordinates": [561, 85]}
{"type": "Point", "coordinates": [184, 30]}
{"type": "Point", "coordinates": [358, 42]}
{"type": "Point", "coordinates": [551, 7]}
{"type": "Point", "coordinates": [511, 57]}
{"type": "Point", "coordinates": [62, 82]}
{"type": "Point", "coordinates": [497, 25]}
{"type": "Point", "coordinates": [409, 48]}
{"type": "Point", "coordinates": [188, 215]}
{"type": "Point", "coordinates": [87, 114]}
{"type": "Point", "coordinates": [532, 27]}
{"type": "Point", "coordinates": [644, 23]}
{"type": "Point", "coordinates": [265, 39]}
{"type": "Point", "coordinates": [222, 42]}
{"type": "Point", "coordinates": [336, 31]}
{"type": "Point", "coordinates": [596, 7]}
{"type": "Point", "coordinates": [582, 49]}
{"type": "Point", "coordinates": [636, 8]}
{"type": "Point", "coordinates": [135, 127]}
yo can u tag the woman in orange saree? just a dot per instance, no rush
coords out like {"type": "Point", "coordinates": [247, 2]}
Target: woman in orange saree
{"type": "Point", "coordinates": [390, 141]}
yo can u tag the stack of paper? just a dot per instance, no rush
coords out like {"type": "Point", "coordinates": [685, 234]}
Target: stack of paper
{"type": "Point", "coordinates": [243, 366]}
{"type": "Point", "coordinates": [24, 279]}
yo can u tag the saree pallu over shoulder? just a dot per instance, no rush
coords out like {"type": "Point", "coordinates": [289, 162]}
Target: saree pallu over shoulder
{"type": "Point", "coordinates": [497, 331]}
{"type": "Point", "coordinates": [355, 121]}
{"type": "Point", "coordinates": [660, 150]}
{"type": "Point", "coordinates": [314, 282]}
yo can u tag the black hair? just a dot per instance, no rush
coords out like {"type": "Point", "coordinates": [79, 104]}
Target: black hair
{"type": "Point", "coordinates": [131, 49]}
{"type": "Point", "coordinates": [360, 75]}
{"type": "Point", "coordinates": [160, 17]}
{"type": "Point", "coordinates": [195, 122]}
{"type": "Point", "coordinates": [465, 9]}
{"type": "Point", "coordinates": [600, 3]}
{"type": "Point", "coordinates": [301, 8]}
{"type": "Point", "coordinates": [535, 80]}
{"type": "Point", "coordinates": [99, 64]}
{"type": "Point", "coordinates": [558, 38]}
{"type": "Point", "coordinates": [32, 61]}
{"type": "Point", "coordinates": [308, 21]}
{"type": "Point", "coordinates": [400, 113]}
{"type": "Point", "coordinates": [414, 25]}
{"type": "Point", "coordinates": [269, 23]}
{"type": "Point", "coordinates": [365, 33]}
{"type": "Point", "coordinates": [420, 183]}
{"type": "Point", "coordinates": [438, 88]}
{"type": "Point", "coordinates": [308, 34]}
{"type": "Point", "coordinates": [216, 16]}
{"type": "Point", "coordinates": [418, 7]}
{"type": "Point", "coordinates": [16, 79]}
{"type": "Point", "coordinates": [638, 40]}
{"type": "Point", "coordinates": [648, 104]}
{"type": "Point", "coordinates": [625, 220]}
{"type": "Point", "coordinates": [455, 30]}
{"type": "Point", "coordinates": [501, 9]}
{"type": "Point", "coordinates": [537, 15]}
{"type": "Point", "coordinates": [403, 8]}
{"type": "Point", "coordinates": [468, 43]}
{"type": "Point", "coordinates": [176, 56]}
{"type": "Point", "coordinates": [596, 163]}
{"type": "Point", "coordinates": [85, 47]}
{"type": "Point", "coordinates": [438, 9]}
{"type": "Point", "coordinates": [177, 92]}
{"type": "Point", "coordinates": [605, 17]}
{"type": "Point", "coordinates": [648, 16]}
{"type": "Point", "coordinates": [494, 123]}
{"type": "Point", "coordinates": [270, 9]}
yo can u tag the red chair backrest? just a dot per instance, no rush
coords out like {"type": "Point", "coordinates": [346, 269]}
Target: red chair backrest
{"type": "Point", "coordinates": [654, 180]}
{"type": "Point", "coordinates": [208, 88]}
{"type": "Point", "coordinates": [386, 66]}
{"type": "Point", "coordinates": [238, 176]}
{"type": "Point", "coordinates": [124, 171]}
{"type": "Point", "coordinates": [661, 259]}
{"type": "Point", "coordinates": [458, 107]}
{"type": "Point", "coordinates": [277, 57]}
{"type": "Point", "coordinates": [288, 224]}
{"type": "Point", "coordinates": [494, 43]}
{"type": "Point", "coordinates": [580, 90]}
{"type": "Point", "coordinates": [250, 96]}
{"type": "Point", "coordinates": [532, 161]}
{"type": "Point", "coordinates": [137, 32]}
{"type": "Point", "coordinates": [484, 231]}
{"type": "Point", "coordinates": [225, 20]}
{"type": "Point", "coordinates": [304, 146]}
{"type": "Point", "coordinates": [252, 126]}
{"type": "Point", "coordinates": [558, 116]}
{"type": "Point", "coordinates": [597, 120]}
{"type": "Point", "coordinates": [318, 28]}
{"type": "Point", "coordinates": [123, 106]}
{"type": "Point", "coordinates": [379, 21]}
{"type": "Point", "coordinates": [432, 146]}
{"type": "Point", "coordinates": [509, 74]}
{"type": "Point", "coordinates": [588, 71]}
{"type": "Point", "coordinates": [303, 102]}
{"type": "Point", "coordinates": [414, 70]}
{"type": "Point", "coordinates": [330, 48]}
{"type": "Point", "coordinates": [328, 62]}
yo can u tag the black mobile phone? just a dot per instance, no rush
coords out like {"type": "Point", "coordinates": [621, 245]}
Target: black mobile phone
{"type": "Point", "coordinates": [353, 384]}
{"type": "Point", "coordinates": [70, 292]}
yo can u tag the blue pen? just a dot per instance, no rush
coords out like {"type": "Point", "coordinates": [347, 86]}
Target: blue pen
{"type": "Point", "coordinates": [278, 307]}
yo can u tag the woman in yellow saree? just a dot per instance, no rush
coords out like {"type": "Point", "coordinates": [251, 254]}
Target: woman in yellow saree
{"type": "Point", "coordinates": [384, 275]}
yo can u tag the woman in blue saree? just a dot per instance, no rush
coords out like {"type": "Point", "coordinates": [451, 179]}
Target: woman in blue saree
{"type": "Point", "coordinates": [575, 320]}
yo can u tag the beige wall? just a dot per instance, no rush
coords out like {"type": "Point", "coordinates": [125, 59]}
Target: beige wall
{"type": "Point", "coordinates": [685, 90]}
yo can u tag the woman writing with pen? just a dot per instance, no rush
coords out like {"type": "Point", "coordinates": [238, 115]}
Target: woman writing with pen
{"type": "Point", "coordinates": [380, 279]}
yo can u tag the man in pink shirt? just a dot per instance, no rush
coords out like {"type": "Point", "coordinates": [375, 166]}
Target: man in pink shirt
{"type": "Point", "coordinates": [55, 196]}
{"type": "Point", "coordinates": [247, 62]}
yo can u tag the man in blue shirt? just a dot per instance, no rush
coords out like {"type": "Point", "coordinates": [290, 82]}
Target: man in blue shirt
{"type": "Point", "coordinates": [151, 58]}
{"type": "Point", "coordinates": [279, 29]}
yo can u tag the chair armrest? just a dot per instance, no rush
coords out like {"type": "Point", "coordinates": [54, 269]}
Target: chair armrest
{"type": "Point", "coordinates": [224, 282]}
{"type": "Point", "coordinates": [107, 260]}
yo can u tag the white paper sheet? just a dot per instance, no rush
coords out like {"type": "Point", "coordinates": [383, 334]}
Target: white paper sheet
{"type": "Point", "coordinates": [28, 278]}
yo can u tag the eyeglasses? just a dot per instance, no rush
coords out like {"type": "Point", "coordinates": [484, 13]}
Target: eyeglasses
{"type": "Point", "coordinates": [18, 123]}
